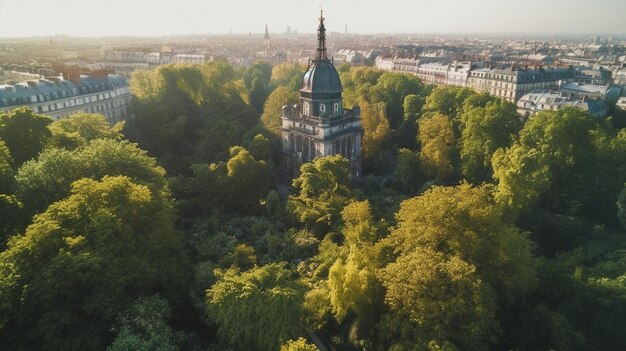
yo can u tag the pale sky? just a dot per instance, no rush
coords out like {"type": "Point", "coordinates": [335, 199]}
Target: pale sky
{"type": "Point", "coordinates": [20, 18]}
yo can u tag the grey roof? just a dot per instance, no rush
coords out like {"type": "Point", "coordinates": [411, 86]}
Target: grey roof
{"type": "Point", "coordinates": [547, 100]}
{"type": "Point", "coordinates": [322, 77]}
{"type": "Point", "coordinates": [54, 89]}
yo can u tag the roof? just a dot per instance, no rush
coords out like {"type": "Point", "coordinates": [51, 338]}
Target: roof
{"type": "Point", "coordinates": [322, 77]}
{"type": "Point", "coordinates": [588, 88]}
{"type": "Point", "coordinates": [544, 100]}
{"type": "Point", "coordinates": [56, 88]}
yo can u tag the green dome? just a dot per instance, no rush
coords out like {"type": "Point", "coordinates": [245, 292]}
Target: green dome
{"type": "Point", "coordinates": [322, 77]}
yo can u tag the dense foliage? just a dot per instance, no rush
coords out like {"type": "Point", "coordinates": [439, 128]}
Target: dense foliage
{"type": "Point", "coordinates": [471, 229]}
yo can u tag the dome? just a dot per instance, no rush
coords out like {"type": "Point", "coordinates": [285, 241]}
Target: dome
{"type": "Point", "coordinates": [322, 77]}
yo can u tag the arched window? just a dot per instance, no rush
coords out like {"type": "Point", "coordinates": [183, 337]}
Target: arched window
{"type": "Point", "coordinates": [322, 108]}
{"type": "Point", "coordinates": [336, 109]}
{"type": "Point", "coordinates": [306, 108]}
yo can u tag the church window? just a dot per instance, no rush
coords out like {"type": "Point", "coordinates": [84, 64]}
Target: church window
{"type": "Point", "coordinates": [336, 108]}
{"type": "Point", "coordinates": [306, 108]}
{"type": "Point", "coordinates": [322, 108]}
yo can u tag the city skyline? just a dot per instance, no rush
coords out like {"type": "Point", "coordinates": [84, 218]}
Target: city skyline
{"type": "Point", "coordinates": [88, 18]}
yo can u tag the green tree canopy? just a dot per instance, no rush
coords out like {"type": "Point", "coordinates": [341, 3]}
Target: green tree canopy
{"type": "Point", "coordinates": [247, 179]}
{"type": "Point", "coordinates": [288, 75]}
{"type": "Point", "coordinates": [352, 282]}
{"type": "Point", "coordinates": [448, 100]}
{"type": "Point", "coordinates": [25, 133]}
{"type": "Point", "coordinates": [256, 310]}
{"type": "Point", "coordinates": [443, 296]}
{"type": "Point", "coordinates": [237, 185]}
{"type": "Point", "coordinates": [323, 191]}
{"type": "Point", "coordinates": [10, 206]}
{"type": "Point", "coordinates": [78, 129]}
{"type": "Point", "coordinates": [187, 114]}
{"type": "Point", "coordinates": [272, 111]}
{"type": "Point", "coordinates": [376, 133]}
{"type": "Point", "coordinates": [438, 147]}
{"type": "Point", "coordinates": [48, 179]}
{"type": "Point", "coordinates": [7, 175]}
{"type": "Point", "coordinates": [408, 170]}
{"type": "Point", "coordinates": [484, 130]}
{"type": "Point", "coordinates": [407, 132]}
{"type": "Point", "coordinates": [143, 327]}
{"type": "Point", "coordinates": [621, 208]}
{"type": "Point", "coordinates": [257, 79]}
{"type": "Point", "coordinates": [298, 345]}
{"type": "Point", "coordinates": [84, 260]}
{"type": "Point", "coordinates": [465, 221]}
{"type": "Point", "coordinates": [392, 88]}
{"type": "Point", "coordinates": [551, 162]}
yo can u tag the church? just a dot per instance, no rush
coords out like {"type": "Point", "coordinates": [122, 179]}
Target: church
{"type": "Point", "coordinates": [320, 125]}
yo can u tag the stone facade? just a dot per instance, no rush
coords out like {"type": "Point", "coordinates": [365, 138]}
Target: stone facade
{"type": "Point", "coordinates": [60, 97]}
{"type": "Point", "coordinates": [320, 125]}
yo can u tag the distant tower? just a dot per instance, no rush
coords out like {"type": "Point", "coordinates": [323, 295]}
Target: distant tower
{"type": "Point", "coordinates": [319, 125]}
{"type": "Point", "coordinates": [266, 37]}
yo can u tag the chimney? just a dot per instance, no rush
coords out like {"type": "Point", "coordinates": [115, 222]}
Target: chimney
{"type": "Point", "coordinates": [72, 76]}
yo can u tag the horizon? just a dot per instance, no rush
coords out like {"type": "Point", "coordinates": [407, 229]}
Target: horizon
{"type": "Point", "coordinates": [448, 17]}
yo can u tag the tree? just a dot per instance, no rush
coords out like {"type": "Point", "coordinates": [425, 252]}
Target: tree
{"type": "Point", "coordinates": [84, 260]}
{"type": "Point", "coordinates": [484, 130]}
{"type": "Point", "coordinates": [298, 345]}
{"type": "Point", "coordinates": [453, 256]}
{"type": "Point", "coordinates": [412, 107]}
{"type": "Point", "coordinates": [448, 100]}
{"type": "Point", "coordinates": [551, 162]}
{"type": "Point", "coordinates": [375, 133]}
{"type": "Point", "coordinates": [143, 327]}
{"type": "Point", "coordinates": [392, 88]}
{"type": "Point", "coordinates": [10, 206]}
{"type": "Point", "coordinates": [436, 291]}
{"type": "Point", "coordinates": [186, 114]}
{"type": "Point", "coordinates": [408, 170]}
{"type": "Point", "coordinates": [288, 75]}
{"type": "Point", "coordinates": [260, 148]}
{"type": "Point", "coordinates": [25, 134]}
{"type": "Point", "coordinates": [621, 208]}
{"type": "Point", "coordinates": [522, 178]}
{"type": "Point", "coordinates": [323, 191]}
{"type": "Point", "coordinates": [256, 310]}
{"type": "Point", "coordinates": [407, 132]}
{"type": "Point", "coordinates": [78, 129]}
{"type": "Point", "coordinates": [357, 83]}
{"type": "Point", "coordinates": [438, 147]}
{"type": "Point", "coordinates": [247, 179]}
{"type": "Point", "coordinates": [352, 283]}
{"type": "Point", "coordinates": [272, 110]}
{"type": "Point", "coordinates": [7, 175]}
{"type": "Point", "coordinates": [466, 221]}
{"type": "Point", "coordinates": [49, 178]}
{"type": "Point", "coordinates": [257, 79]}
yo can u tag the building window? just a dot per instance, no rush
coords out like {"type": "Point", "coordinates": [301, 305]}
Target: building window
{"type": "Point", "coordinates": [306, 108]}
{"type": "Point", "coordinates": [336, 108]}
{"type": "Point", "coordinates": [322, 108]}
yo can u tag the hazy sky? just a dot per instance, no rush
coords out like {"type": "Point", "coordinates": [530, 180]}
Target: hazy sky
{"type": "Point", "coordinates": [20, 18]}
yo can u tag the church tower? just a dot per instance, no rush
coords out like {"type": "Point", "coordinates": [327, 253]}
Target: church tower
{"type": "Point", "coordinates": [320, 125]}
{"type": "Point", "coordinates": [266, 38]}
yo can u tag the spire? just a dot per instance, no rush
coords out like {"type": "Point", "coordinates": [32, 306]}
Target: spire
{"type": "Point", "coordinates": [321, 39]}
{"type": "Point", "coordinates": [267, 34]}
